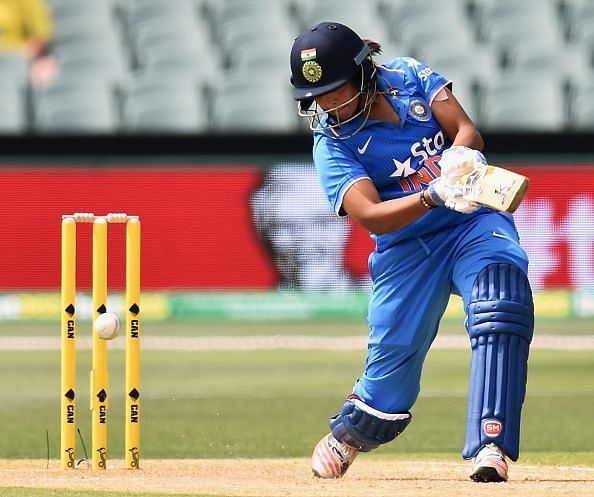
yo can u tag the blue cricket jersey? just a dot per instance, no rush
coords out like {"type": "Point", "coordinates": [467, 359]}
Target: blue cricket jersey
{"type": "Point", "coordinates": [399, 159]}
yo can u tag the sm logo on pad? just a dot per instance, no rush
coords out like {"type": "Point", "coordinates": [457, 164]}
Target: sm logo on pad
{"type": "Point", "coordinates": [492, 428]}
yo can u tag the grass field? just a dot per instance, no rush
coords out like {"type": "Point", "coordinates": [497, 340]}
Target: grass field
{"type": "Point", "coordinates": [574, 326]}
{"type": "Point", "coordinates": [276, 404]}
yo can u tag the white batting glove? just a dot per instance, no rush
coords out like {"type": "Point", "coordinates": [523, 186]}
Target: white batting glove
{"type": "Point", "coordinates": [447, 195]}
{"type": "Point", "coordinates": [458, 160]}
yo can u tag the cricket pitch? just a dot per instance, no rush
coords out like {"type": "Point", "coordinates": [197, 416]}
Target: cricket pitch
{"type": "Point", "coordinates": [293, 478]}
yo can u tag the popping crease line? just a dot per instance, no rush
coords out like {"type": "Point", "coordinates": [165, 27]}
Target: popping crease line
{"type": "Point", "coordinates": [290, 342]}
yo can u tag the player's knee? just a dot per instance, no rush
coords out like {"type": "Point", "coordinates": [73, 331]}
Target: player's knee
{"type": "Point", "coordinates": [365, 428]}
{"type": "Point", "coordinates": [501, 302]}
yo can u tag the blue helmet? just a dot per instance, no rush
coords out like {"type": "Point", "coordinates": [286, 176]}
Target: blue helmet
{"type": "Point", "coordinates": [325, 57]}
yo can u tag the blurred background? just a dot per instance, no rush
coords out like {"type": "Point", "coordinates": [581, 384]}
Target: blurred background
{"type": "Point", "coordinates": [181, 112]}
{"type": "Point", "coordinates": [221, 66]}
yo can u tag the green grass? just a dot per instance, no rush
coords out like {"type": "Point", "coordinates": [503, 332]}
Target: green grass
{"type": "Point", "coordinates": [221, 404]}
{"type": "Point", "coordinates": [201, 328]}
{"type": "Point", "coordinates": [576, 326]}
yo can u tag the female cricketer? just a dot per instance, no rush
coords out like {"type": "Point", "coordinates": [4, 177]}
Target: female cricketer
{"type": "Point", "coordinates": [390, 144]}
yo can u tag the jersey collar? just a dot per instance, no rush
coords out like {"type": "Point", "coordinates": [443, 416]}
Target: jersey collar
{"type": "Point", "coordinates": [391, 82]}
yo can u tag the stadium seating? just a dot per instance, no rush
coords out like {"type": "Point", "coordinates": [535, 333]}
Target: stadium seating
{"type": "Point", "coordinates": [442, 38]}
{"type": "Point", "coordinates": [155, 102]}
{"type": "Point", "coordinates": [583, 33]}
{"type": "Point", "coordinates": [239, 38]}
{"type": "Point", "coordinates": [578, 16]}
{"type": "Point", "coordinates": [249, 11]}
{"type": "Point", "coordinates": [140, 11]}
{"type": "Point", "coordinates": [361, 16]}
{"type": "Point", "coordinates": [78, 113]}
{"type": "Point", "coordinates": [519, 103]}
{"type": "Point", "coordinates": [477, 63]}
{"type": "Point", "coordinates": [582, 108]}
{"type": "Point", "coordinates": [508, 25]}
{"type": "Point", "coordinates": [254, 105]}
{"type": "Point", "coordinates": [406, 19]}
{"type": "Point", "coordinates": [77, 102]}
{"type": "Point", "coordinates": [155, 32]}
{"type": "Point", "coordinates": [233, 54]}
{"type": "Point", "coordinates": [570, 62]}
{"type": "Point", "coordinates": [82, 20]}
{"type": "Point", "coordinates": [68, 12]}
{"type": "Point", "coordinates": [13, 117]}
{"type": "Point", "coordinates": [93, 59]}
{"type": "Point", "coordinates": [14, 68]}
{"type": "Point", "coordinates": [165, 113]}
{"type": "Point", "coordinates": [260, 57]}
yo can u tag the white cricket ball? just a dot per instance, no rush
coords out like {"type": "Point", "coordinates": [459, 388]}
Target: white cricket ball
{"type": "Point", "coordinates": [107, 326]}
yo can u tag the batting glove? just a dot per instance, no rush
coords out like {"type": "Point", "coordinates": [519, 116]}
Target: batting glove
{"type": "Point", "coordinates": [458, 160]}
{"type": "Point", "coordinates": [444, 194]}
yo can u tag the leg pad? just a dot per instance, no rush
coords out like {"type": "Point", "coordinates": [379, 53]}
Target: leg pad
{"type": "Point", "coordinates": [365, 428]}
{"type": "Point", "coordinates": [500, 324]}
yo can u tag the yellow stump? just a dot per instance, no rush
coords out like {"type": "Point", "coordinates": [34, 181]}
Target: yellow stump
{"type": "Point", "coordinates": [99, 374]}
{"type": "Point", "coordinates": [132, 393]}
{"type": "Point", "coordinates": [68, 335]}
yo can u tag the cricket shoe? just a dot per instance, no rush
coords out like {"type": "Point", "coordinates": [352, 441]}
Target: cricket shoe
{"type": "Point", "coordinates": [332, 458]}
{"type": "Point", "coordinates": [489, 465]}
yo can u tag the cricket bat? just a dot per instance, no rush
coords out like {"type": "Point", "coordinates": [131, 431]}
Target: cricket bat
{"type": "Point", "coordinates": [495, 187]}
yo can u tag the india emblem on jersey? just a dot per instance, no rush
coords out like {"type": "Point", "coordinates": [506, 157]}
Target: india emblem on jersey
{"type": "Point", "coordinates": [312, 71]}
{"type": "Point", "coordinates": [419, 110]}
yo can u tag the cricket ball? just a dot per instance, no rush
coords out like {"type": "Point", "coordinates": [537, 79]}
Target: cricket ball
{"type": "Point", "coordinates": [107, 326]}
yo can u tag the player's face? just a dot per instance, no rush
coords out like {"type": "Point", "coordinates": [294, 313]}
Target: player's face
{"type": "Point", "coordinates": [341, 103]}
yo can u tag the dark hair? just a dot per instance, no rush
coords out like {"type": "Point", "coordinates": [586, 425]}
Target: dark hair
{"type": "Point", "coordinates": [374, 46]}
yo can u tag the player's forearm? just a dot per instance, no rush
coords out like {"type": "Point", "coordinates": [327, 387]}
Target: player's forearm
{"type": "Point", "coordinates": [389, 215]}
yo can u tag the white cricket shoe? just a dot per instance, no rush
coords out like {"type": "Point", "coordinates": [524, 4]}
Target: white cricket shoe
{"type": "Point", "coordinates": [489, 465]}
{"type": "Point", "coordinates": [332, 458]}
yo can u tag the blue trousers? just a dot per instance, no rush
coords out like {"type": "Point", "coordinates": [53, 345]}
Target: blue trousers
{"type": "Point", "coordinates": [412, 283]}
